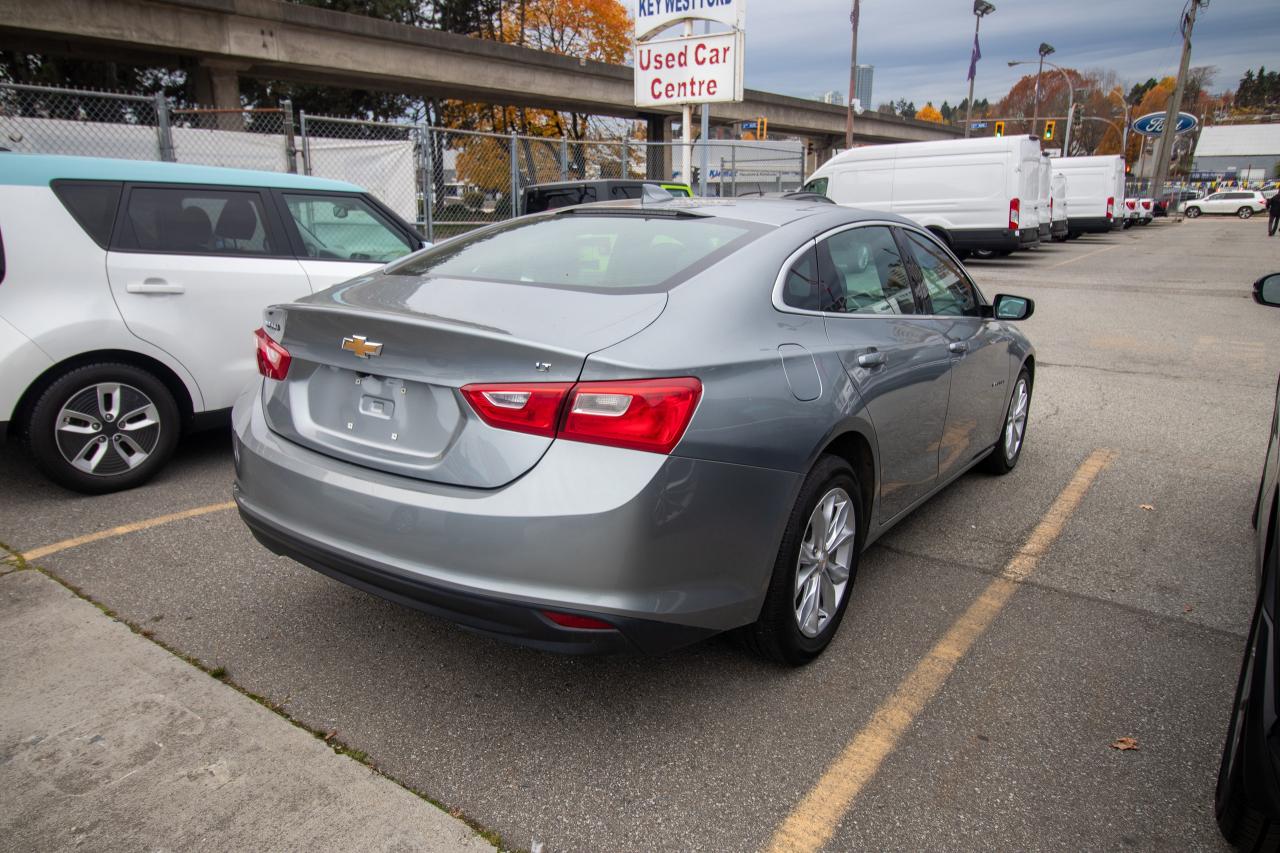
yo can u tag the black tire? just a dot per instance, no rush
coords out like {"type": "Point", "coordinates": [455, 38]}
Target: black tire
{"type": "Point", "coordinates": [1241, 824]}
{"type": "Point", "coordinates": [1191, 212]}
{"type": "Point", "coordinates": [984, 254]}
{"type": "Point", "coordinates": [1000, 461]}
{"type": "Point", "coordinates": [776, 634]}
{"type": "Point", "coordinates": [1245, 213]}
{"type": "Point", "coordinates": [117, 466]}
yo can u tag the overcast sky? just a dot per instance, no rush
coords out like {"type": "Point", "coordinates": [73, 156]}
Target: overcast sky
{"type": "Point", "coordinates": [920, 48]}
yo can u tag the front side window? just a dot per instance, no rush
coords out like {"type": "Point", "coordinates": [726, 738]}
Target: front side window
{"type": "Point", "coordinates": [864, 274]}
{"type": "Point", "coordinates": [817, 185]}
{"type": "Point", "coordinates": [344, 228]}
{"type": "Point", "coordinates": [578, 250]}
{"type": "Point", "coordinates": [193, 221]}
{"type": "Point", "coordinates": [948, 288]}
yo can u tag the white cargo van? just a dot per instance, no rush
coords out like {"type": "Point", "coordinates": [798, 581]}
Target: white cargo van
{"type": "Point", "coordinates": [1094, 186]}
{"type": "Point", "coordinates": [975, 194]}
{"type": "Point", "coordinates": [1043, 198]}
{"type": "Point", "coordinates": [1058, 206]}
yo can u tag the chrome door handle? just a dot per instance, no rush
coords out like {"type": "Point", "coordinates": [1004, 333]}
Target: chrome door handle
{"type": "Point", "coordinates": [154, 285]}
{"type": "Point", "coordinates": [958, 347]}
{"type": "Point", "coordinates": [871, 359]}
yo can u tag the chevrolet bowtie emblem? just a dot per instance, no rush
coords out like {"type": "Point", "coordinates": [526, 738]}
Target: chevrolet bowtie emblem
{"type": "Point", "coordinates": [361, 347]}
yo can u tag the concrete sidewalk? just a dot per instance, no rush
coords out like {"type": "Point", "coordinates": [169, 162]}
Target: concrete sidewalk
{"type": "Point", "coordinates": [110, 742]}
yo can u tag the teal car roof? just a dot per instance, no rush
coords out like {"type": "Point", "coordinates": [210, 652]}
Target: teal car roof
{"type": "Point", "coordinates": [40, 169]}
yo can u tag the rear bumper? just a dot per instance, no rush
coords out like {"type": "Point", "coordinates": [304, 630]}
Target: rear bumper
{"type": "Point", "coordinates": [1059, 229]}
{"type": "Point", "coordinates": [1029, 237]}
{"type": "Point", "coordinates": [1045, 232]}
{"type": "Point", "coordinates": [1091, 224]}
{"type": "Point", "coordinates": [667, 549]}
{"type": "Point", "coordinates": [993, 239]}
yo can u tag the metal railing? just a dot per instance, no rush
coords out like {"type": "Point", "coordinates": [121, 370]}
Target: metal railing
{"type": "Point", "coordinates": [445, 180]}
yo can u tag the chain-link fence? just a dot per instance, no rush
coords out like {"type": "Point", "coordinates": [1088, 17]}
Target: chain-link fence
{"type": "Point", "coordinates": [446, 181]}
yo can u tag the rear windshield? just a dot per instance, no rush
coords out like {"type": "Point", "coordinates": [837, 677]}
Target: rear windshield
{"type": "Point", "coordinates": [604, 252]}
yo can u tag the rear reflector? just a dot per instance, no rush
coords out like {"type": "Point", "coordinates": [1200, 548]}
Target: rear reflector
{"type": "Point", "coordinates": [638, 414]}
{"type": "Point", "coordinates": [1015, 210]}
{"type": "Point", "coordinates": [273, 359]}
{"type": "Point", "coordinates": [532, 407]}
{"type": "Point", "coordinates": [572, 620]}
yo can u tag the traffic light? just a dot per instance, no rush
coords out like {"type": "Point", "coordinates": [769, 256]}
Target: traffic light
{"type": "Point", "coordinates": [697, 179]}
{"type": "Point", "coordinates": [762, 128]}
{"type": "Point", "coordinates": [999, 128]}
{"type": "Point", "coordinates": [1049, 127]}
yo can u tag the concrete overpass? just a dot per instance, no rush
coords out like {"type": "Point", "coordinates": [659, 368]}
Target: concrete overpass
{"type": "Point", "coordinates": [280, 40]}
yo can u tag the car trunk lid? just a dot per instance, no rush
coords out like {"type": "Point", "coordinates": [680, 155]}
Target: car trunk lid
{"type": "Point", "coordinates": [376, 364]}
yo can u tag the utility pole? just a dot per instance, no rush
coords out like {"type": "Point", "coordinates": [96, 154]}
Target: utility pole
{"type": "Point", "coordinates": [853, 75]}
{"type": "Point", "coordinates": [1175, 103]}
{"type": "Point", "coordinates": [980, 8]}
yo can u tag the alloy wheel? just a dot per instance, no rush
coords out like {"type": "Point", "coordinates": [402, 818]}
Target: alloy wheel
{"type": "Point", "coordinates": [823, 568]}
{"type": "Point", "coordinates": [107, 429]}
{"type": "Point", "coordinates": [1015, 425]}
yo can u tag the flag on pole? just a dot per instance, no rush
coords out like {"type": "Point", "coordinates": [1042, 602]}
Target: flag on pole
{"type": "Point", "coordinates": [973, 59]}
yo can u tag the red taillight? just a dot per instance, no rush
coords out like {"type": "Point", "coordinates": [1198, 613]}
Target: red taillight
{"type": "Point", "coordinates": [573, 620]}
{"type": "Point", "coordinates": [1111, 207]}
{"type": "Point", "coordinates": [532, 407]}
{"type": "Point", "coordinates": [639, 414]}
{"type": "Point", "coordinates": [1015, 209]}
{"type": "Point", "coordinates": [1130, 203]}
{"type": "Point", "coordinates": [1146, 205]}
{"type": "Point", "coordinates": [647, 414]}
{"type": "Point", "coordinates": [273, 359]}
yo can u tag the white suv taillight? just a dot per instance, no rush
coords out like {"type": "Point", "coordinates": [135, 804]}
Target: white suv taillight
{"type": "Point", "coordinates": [1015, 209]}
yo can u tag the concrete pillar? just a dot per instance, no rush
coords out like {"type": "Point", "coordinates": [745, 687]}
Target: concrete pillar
{"type": "Point", "coordinates": [218, 86]}
{"type": "Point", "coordinates": [659, 156]}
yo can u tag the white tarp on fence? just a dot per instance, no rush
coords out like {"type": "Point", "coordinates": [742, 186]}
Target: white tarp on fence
{"type": "Point", "coordinates": [385, 168]}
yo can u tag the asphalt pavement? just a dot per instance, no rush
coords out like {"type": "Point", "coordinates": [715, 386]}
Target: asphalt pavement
{"type": "Point", "coordinates": [1131, 625]}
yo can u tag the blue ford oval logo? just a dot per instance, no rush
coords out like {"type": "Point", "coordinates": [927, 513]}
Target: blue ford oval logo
{"type": "Point", "coordinates": [1152, 124]}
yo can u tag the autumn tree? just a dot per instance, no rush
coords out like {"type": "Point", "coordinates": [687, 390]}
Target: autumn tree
{"type": "Point", "coordinates": [929, 113]}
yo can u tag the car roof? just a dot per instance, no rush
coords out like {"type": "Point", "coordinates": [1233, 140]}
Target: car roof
{"type": "Point", "coordinates": [595, 182]}
{"type": "Point", "coordinates": [765, 211]}
{"type": "Point", "coordinates": [40, 169]}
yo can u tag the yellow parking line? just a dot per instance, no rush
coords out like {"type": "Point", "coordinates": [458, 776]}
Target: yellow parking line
{"type": "Point", "coordinates": [813, 821]}
{"type": "Point", "coordinates": [46, 550]}
{"type": "Point", "coordinates": [1082, 257]}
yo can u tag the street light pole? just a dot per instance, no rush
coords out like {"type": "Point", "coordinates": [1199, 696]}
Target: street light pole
{"type": "Point", "coordinates": [853, 75]}
{"type": "Point", "coordinates": [1175, 102]}
{"type": "Point", "coordinates": [980, 8]}
{"type": "Point", "coordinates": [1045, 50]}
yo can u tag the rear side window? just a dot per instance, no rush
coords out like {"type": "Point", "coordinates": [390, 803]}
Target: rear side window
{"type": "Point", "coordinates": [92, 204]}
{"type": "Point", "coordinates": [800, 287]}
{"type": "Point", "coordinates": [864, 274]}
{"type": "Point", "coordinates": [602, 252]}
{"type": "Point", "coordinates": [195, 221]}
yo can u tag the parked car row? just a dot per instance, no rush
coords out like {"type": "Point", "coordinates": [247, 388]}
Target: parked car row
{"type": "Point", "coordinates": [986, 197]}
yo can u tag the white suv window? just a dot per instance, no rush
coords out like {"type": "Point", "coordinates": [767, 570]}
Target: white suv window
{"type": "Point", "coordinates": [194, 221]}
{"type": "Point", "coordinates": [344, 228]}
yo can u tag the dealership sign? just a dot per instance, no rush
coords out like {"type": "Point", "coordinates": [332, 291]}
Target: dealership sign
{"type": "Point", "coordinates": [690, 70]}
{"type": "Point", "coordinates": [653, 16]}
{"type": "Point", "coordinates": [1152, 124]}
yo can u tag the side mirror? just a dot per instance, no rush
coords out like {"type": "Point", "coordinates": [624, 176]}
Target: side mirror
{"type": "Point", "coordinates": [1006, 307]}
{"type": "Point", "coordinates": [1266, 290]}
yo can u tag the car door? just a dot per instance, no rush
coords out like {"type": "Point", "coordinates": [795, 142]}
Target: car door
{"type": "Point", "coordinates": [899, 364]}
{"type": "Point", "coordinates": [978, 348]}
{"type": "Point", "coordinates": [339, 236]}
{"type": "Point", "coordinates": [191, 269]}
{"type": "Point", "coordinates": [1214, 203]}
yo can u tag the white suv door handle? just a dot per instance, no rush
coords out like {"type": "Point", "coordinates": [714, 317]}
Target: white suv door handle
{"type": "Point", "coordinates": [154, 285]}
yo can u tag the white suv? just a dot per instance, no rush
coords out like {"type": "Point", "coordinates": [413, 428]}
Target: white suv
{"type": "Point", "coordinates": [130, 290]}
{"type": "Point", "coordinates": [1242, 203]}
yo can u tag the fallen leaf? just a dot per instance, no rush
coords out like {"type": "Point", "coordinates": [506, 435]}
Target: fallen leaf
{"type": "Point", "coordinates": [331, 735]}
{"type": "Point", "coordinates": [1187, 608]}
{"type": "Point", "coordinates": [1147, 507]}
{"type": "Point", "coordinates": [1124, 743]}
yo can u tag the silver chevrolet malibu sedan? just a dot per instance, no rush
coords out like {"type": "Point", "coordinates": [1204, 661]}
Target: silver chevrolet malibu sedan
{"type": "Point", "coordinates": [630, 425]}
